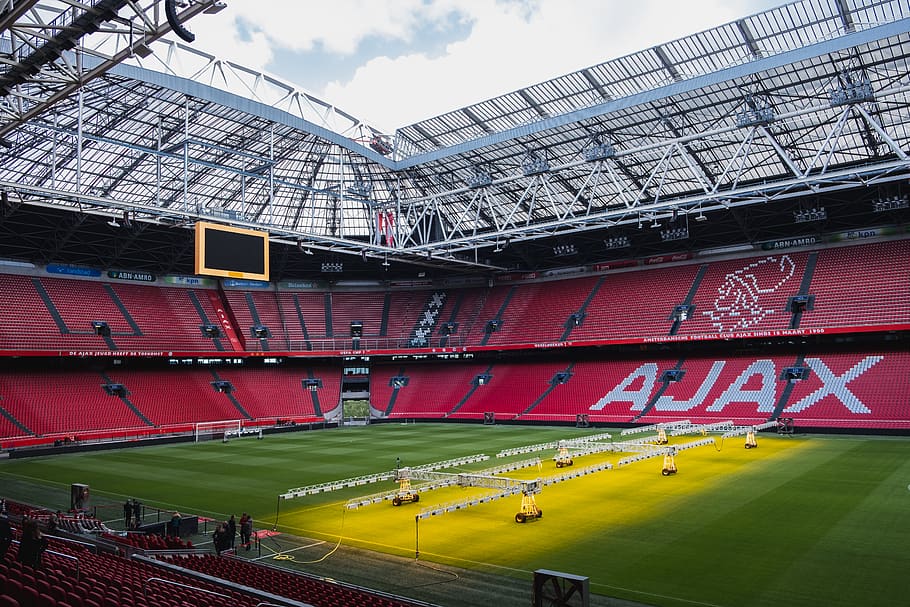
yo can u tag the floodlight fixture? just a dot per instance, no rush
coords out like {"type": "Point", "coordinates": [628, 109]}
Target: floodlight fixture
{"type": "Point", "coordinates": [671, 234]}
{"type": "Point", "coordinates": [809, 215]}
{"type": "Point", "coordinates": [893, 203]}
{"type": "Point", "coordinates": [617, 242]}
{"type": "Point", "coordinates": [479, 179]}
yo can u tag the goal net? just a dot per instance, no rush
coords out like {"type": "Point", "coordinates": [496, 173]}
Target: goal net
{"type": "Point", "coordinates": [223, 430]}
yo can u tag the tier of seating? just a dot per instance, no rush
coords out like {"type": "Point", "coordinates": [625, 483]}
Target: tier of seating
{"type": "Point", "coordinates": [746, 295]}
{"type": "Point", "coordinates": [862, 389]}
{"type": "Point", "coordinates": [865, 389]}
{"type": "Point", "coordinates": [281, 393]}
{"type": "Point", "coordinates": [73, 314]}
{"type": "Point", "coordinates": [49, 403]}
{"type": "Point", "coordinates": [431, 390]}
{"type": "Point", "coordinates": [106, 580]}
{"type": "Point", "coordinates": [314, 591]}
{"type": "Point", "coordinates": [97, 569]}
{"type": "Point", "coordinates": [514, 387]}
{"type": "Point", "coordinates": [635, 304]}
{"type": "Point", "coordinates": [862, 286]}
{"type": "Point", "coordinates": [50, 407]}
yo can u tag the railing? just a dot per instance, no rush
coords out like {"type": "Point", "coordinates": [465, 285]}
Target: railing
{"type": "Point", "coordinates": [370, 343]}
{"type": "Point", "coordinates": [161, 580]}
{"type": "Point", "coordinates": [69, 557]}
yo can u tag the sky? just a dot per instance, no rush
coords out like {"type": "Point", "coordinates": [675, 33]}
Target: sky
{"type": "Point", "coordinates": [392, 63]}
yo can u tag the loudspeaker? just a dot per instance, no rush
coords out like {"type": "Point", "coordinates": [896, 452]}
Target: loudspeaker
{"type": "Point", "coordinates": [115, 389]}
{"type": "Point", "coordinates": [101, 328]}
{"type": "Point", "coordinates": [210, 331]}
{"type": "Point", "coordinates": [312, 384]}
{"type": "Point", "coordinates": [222, 386]}
{"type": "Point", "coordinates": [672, 375]}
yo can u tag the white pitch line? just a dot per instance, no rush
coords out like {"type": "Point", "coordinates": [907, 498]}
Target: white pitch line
{"type": "Point", "coordinates": [259, 558]}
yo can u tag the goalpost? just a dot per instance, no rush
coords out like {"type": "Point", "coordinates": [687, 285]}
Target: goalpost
{"type": "Point", "coordinates": [214, 430]}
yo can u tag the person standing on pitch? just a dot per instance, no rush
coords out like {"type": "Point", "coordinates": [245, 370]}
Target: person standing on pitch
{"type": "Point", "coordinates": [137, 513]}
{"type": "Point", "coordinates": [127, 513]}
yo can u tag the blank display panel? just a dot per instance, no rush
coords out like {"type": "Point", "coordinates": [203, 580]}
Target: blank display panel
{"type": "Point", "coordinates": [231, 252]}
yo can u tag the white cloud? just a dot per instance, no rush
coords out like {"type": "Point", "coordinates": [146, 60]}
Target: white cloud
{"type": "Point", "coordinates": [338, 26]}
{"type": "Point", "coordinates": [510, 45]}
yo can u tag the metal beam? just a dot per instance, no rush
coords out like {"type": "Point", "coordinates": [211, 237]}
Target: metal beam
{"type": "Point", "coordinates": [739, 72]}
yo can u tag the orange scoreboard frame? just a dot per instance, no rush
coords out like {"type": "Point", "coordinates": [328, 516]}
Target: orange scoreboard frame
{"type": "Point", "coordinates": [231, 252]}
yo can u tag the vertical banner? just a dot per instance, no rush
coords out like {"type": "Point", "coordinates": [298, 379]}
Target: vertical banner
{"type": "Point", "coordinates": [385, 228]}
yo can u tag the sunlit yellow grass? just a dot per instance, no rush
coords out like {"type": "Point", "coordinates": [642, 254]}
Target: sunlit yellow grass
{"type": "Point", "coordinates": [578, 509]}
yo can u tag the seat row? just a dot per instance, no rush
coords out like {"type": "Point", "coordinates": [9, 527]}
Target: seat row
{"type": "Point", "coordinates": [863, 287]}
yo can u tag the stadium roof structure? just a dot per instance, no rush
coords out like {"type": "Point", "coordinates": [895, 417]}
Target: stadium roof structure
{"type": "Point", "coordinates": [789, 122]}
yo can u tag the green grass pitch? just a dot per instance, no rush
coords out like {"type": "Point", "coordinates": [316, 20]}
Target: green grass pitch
{"type": "Point", "coordinates": [803, 520]}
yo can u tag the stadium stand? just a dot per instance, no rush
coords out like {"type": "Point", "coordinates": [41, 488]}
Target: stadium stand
{"type": "Point", "coordinates": [183, 396]}
{"type": "Point", "coordinates": [851, 288]}
{"type": "Point", "coordinates": [538, 311]}
{"type": "Point", "coordinates": [628, 305]}
{"type": "Point", "coordinates": [856, 287]}
{"type": "Point", "coordinates": [508, 391]}
{"type": "Point", "coordinates": [586, 392]}
{"type": "Point", "coordinates": [315, 591]}
{"type": "Point", "coordinates": [365, 307]}
{"type": "Point", "coordinates": [64, 403]}
{"type": "Point", "coordinates": [25, 322]}
{"type": "Point", "coordinates": [855, 390]}
{"type": "Point", "coordinates": [743, 389]}
{"type": "Point", "coordinates": [860, 390]}
{"type": "Point", "coordinates": [107, 580]}
{"type": "Point", "coordinates": [269, 392]}
{"type": "Point", "coordinates": [431, 391]}
{"type": "Point", "coordinates": [80, 303]}
{"type": "Point", "coordinates": [258, 309]}
{"type": "Point", "coordinates": [745, 295]}
{"type": "Point", "coordinates": [864, 285]}
{"type": "Point", "coordinates": [461, 310]}
{"type": "Point", "coordinates": [169, 318]}
{"type": "Point", "coordinates": [305, 315]}
{"type": "Point", "coordinates": [88, 565]}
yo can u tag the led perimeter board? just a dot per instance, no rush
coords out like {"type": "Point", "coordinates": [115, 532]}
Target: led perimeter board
{"type": "Point", "coordinates": [231, 252]}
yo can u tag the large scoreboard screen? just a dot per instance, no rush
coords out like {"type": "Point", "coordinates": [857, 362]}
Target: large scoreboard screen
{"type": "Point", "coordinates": [231, 252]}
